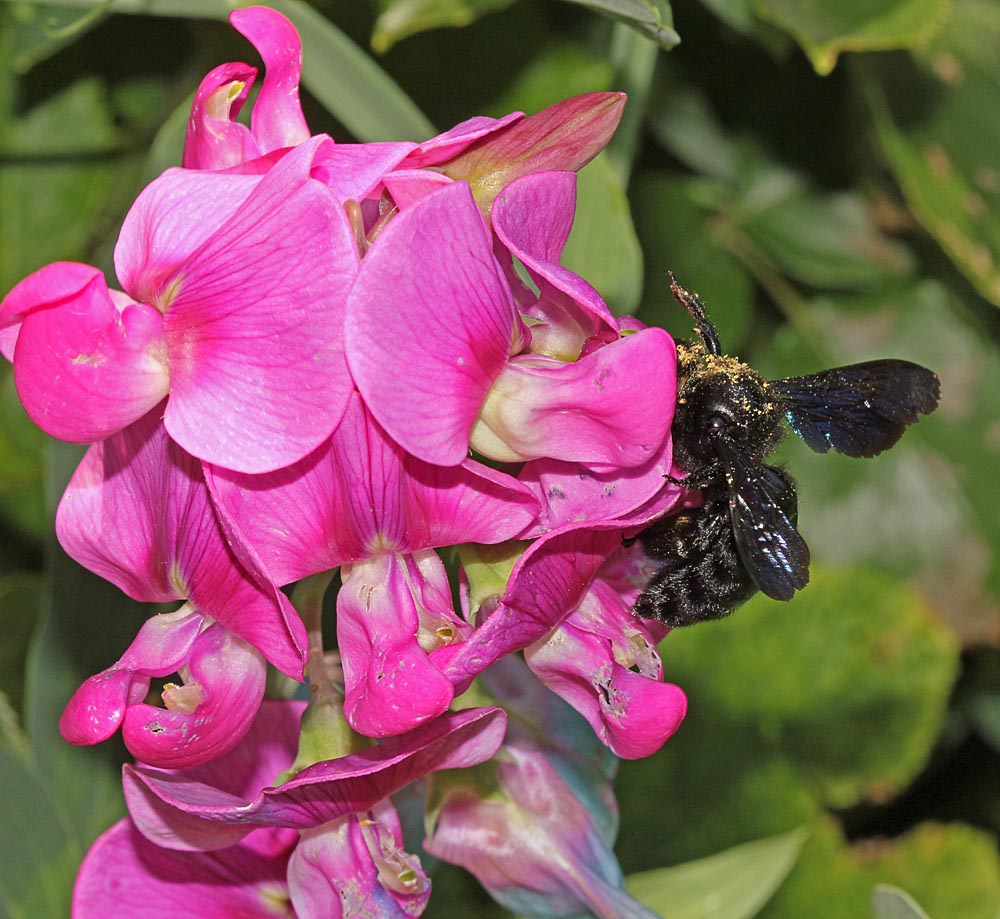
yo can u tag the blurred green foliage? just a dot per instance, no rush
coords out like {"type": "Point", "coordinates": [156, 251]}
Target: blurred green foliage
{"type": "Point", "coordinates": [826, 174]}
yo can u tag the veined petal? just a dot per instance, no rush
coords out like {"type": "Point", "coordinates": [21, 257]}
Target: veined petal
{"type": "Point", "coordinates": [390, 684]}
{"type": "Point", "coordinates": [360, 495]}
{"type": "Point", "coordinates": [357, 867]}
{"type": "Point", "coordinates": [254, 334]}
{"type": "Point", "coordinates": [354, 171]}
{"type": "Point", "coordinates": [545, 584]}
{"type": "Point", "coordinates": [407, 186]}
{"type": "Point", "coordinates": [603, 662]}
{"type": "Point", "coordinates": [89, 363]}
{"type": "Point", "coordinates": [611, 408]}
{"type": "Point", "coordinates": [430, 324]}
{"type": "Point", "coordinates": [182, 813]}
{"type": "Point", "coordinates": [277, 120]}
{"type": "Point", "coordinates": [227, 674]}
{"type": "Point", "coordinates": [442, 147]}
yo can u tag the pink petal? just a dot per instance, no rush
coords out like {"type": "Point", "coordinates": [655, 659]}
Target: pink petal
{"type": "Point", "coordinates": [87, 361]}
{"type": "Point", "coordinates": [230, 674]}
{"type": "Point", "coordinates": [97, 708]}
{"type": "Point", "coordinates": [215, 140]}
{"type": "Point", "coordinates": [407, 186]}
{"type": "Point", "coordinates": [183, 814]}
{"type": "Point", "coordinates": [545, 585]}
{"type": "Point", "coordinates": [125, 875]}
{"type": "Point", "coordinates": [138, 513]}
{"type": "Point", "coordinates": [277, 272]}
{"type": "Point", "coordinates": [390, 685]}
{"type": "Point", "coordinates": [360, 495]}
{"type": "Point", "coordinates": [357, 867]}
{"type": "Point", "coordinates": [430, 294]}
{"type": "Point", "coordinates": [277, 120]}
{"type": "Point", "coordinates": [354, 171]}
{"type": "Point", "coordinates": [601, 661]}
{"type": "Point", "coordinates": [611, 408]}
{"type": "Point", "coordinates": [443, 147]}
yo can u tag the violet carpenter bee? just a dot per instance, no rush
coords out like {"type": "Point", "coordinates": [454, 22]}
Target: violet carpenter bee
{"type": "Point", "coordinates": [728, 420]}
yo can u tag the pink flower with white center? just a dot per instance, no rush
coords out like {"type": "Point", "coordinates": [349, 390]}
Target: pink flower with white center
{"type": "Point", "coordinates": [325, 843]}
{"type": "Point", "coordinates": [222, 687]}
{"type": "Point", "coordinates": [362, 503]}
{"type": "Point", "coordinates": [235, 289]}
{"type": "Point", "coordinates": [431, 277]}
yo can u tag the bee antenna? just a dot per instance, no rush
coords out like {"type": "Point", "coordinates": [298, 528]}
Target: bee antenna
{"type": "Point", "coordinates": [696, 309]}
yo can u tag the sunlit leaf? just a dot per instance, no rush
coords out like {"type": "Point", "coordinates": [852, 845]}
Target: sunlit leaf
{"type": "Point", "coordinates": [948, 161]}
{"type": "Point", "coordinates": [401, 18]}
{"type": "Point", "coordinates": [730, 885]}
{"type": "Point", "coordinates": [892, 903]}
{"type": "Point", "coordinates": [825, 28]}
{"type": "Point", "coordinates": [653, 18]}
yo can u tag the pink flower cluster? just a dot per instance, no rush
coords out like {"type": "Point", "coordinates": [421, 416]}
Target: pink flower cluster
{"type": "Point", "coordinates": [311, 342]}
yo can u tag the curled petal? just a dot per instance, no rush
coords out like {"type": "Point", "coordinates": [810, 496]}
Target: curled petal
{"type": "Point", "coordinates": [124, 874]}
{"type": "Point", "coordinates": [357, 867]}
{"type": "Point", "coordinates": [611, 408]}
{"type": "Point", "coordinates": [162, 646]}
{"type": "Point", "coordinates": [430, 278]}
{"type": "Point", "coordinates": [87, 361]}
{"type": "Point", "coordinates": [226, 676]}
{"type": "Point", "coordinates": [390, 683]}
{"type": "Point", "coordinates": [602, 661]}
{"type": "Point", "coordinates": [215, 140]}
{"type": "Point", "coordinates": [180, 813]}
{"type": "Point", "coordinates": [277, 120]}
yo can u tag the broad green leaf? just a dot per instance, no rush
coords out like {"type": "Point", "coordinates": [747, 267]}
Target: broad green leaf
{"type": "Point", "coordinates": [858, 706]}
{"type": "Point", "coordinates": [341, 76]}
{"type": "Point", "coordinates": [602, 246]}
{"type": "Point", "coordinates": [892, 903]}
{"type": "Point", "coordinates": [401, 18]}
{"type": "Point", "coordinates": [39, 859]}
{"type": "Point", "coordinates": [22, 448]}
{"type": "Point", "coordinates": [653, 18]}
{"type": "Point", "coordinates": [20, 602]}
{"type": "Point", "coordinates": [825, 28]}
{"type": "Point", "coordinates": [733, 884]}
{"type": "Point", "coordinates": [40, 31]}
{"type": "Point", "coordinates": [948, 161]}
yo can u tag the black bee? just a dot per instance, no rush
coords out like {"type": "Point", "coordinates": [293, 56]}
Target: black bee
{"type": "Point", "coordinates": [728, 420]}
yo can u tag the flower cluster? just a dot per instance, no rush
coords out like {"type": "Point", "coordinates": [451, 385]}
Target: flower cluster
{"type": "Point", "coordinates": [310, 344]}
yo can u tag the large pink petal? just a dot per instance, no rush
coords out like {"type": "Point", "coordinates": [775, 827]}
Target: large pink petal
{"type": "Point", "coordinates": [277, 120]}
{"type": "Point", "coordinates": [360, 495]}
{"type": "Point", "coordinates": [124, 876]}
{"type": "Point", "coordinates": [87, 362]}
{"type": "Point", "coordinates": [390, 684]}
{"type": "Point", "coordinates": [430, 324]}
{"type": "Point", "coordinates": [230, 675]}
{"type": "Point", "coordinates": [138, 513]}
{"type": "Point", "coordinates": [354, 171]}
{"type": "Point", "coordinates": [611, 408]}
{"type": "Point", "coordinates": [182, 814]}
{"type": "Point", "coordinates": [254, 335]}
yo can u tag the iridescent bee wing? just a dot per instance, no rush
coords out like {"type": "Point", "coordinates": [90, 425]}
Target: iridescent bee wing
{"type": "Point", "coordinates": [859, 410]}
{"type": "Point", "coordinates": [763, 509]}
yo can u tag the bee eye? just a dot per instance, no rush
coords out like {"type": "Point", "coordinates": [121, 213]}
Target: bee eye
{"type": "Point", "coordinates": [717, 424]}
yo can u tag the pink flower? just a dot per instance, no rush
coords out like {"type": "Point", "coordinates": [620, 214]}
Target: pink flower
{"type": "Point", "coordinates": [431, 277]}
{"type": "Point", "coordinates": [235, 291]}
{"type": "Point", "coordinates": [362, 503]}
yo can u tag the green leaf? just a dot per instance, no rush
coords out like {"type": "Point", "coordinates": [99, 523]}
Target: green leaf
{"type": "Point", "coordinates": [38, 32]}
{"type": "Point", "coordinates": [652, 18]}
{"type": "Point", "coordinates": [20, 603]}
{"type": "Point", "coordinates": [38, 863]}
{"type": "Point", "coordinates": [733, 884]}
{"type": "Point", "coordinates": [400, 18]}
{"type": "Point", "coordinates": [349, 84]}
{"type": "Point", "coordinates": [892, 903]}
{"type": "Point", "coordinates": [947, 161]}
{"type": "Point", "coordinates": [825, 28]}
{"type": "Point", "coordinates": [602, 246]}
{"type": "Point", "coordinates": [22, 448]}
